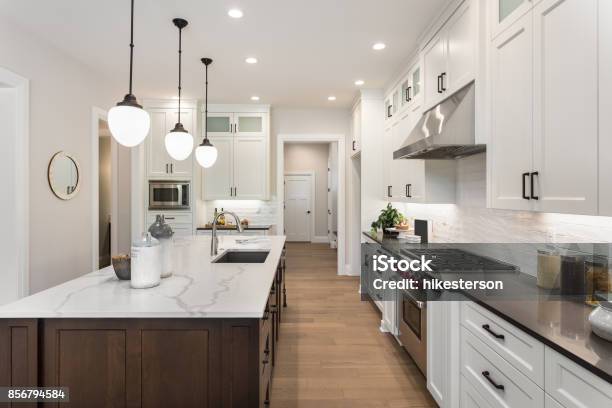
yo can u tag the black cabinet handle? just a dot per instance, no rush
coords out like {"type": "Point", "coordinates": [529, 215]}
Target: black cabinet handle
{"type": "Point", "coordinates": [487, 375]}
{"type": "Point", "coordinates": [439, 85]}
{"type": "Point", "coordinates": [408, 193]}
{"type": "Point", "coordinates": [354, 146]}
{"type": "Point", "coordinates": [525, 196]}
{"type": "Point", "coordinates": [442, 76]}
{"type": "Point", "coordinates": [492, 333]}
{"type": "Point", "coordinates": [172, 168]}
{"type": "Point", "coordinates": [408, 92]}
{"type": "Point", "coordinates": [389, 114]}
{"type": "Point", "coordinates": [166, 168]}
{"type": "Point", "coordinates": [389, 191]}
{"type": "Point", "coordinates": [533, 196]}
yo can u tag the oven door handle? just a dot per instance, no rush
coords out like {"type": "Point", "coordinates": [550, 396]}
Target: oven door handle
{"type": "Point", "coordinates": [421, 305]}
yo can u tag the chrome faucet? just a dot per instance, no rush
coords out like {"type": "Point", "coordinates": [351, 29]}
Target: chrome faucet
{"type": "Point", "coordinates": [214, 243]}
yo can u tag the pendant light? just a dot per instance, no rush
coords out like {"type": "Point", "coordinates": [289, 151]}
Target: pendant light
{"type": "Point", "coordinates": [128, 122]}
{"type": "Point", "coordinates": [206, 153]}
{"type": "Point", "coordinates": [179, 142]}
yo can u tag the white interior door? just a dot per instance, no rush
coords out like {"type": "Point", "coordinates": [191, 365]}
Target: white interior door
{"type": "Point", "coordinates": [9, 273]}
{"type": "Point", "coordinates": [298, 210]}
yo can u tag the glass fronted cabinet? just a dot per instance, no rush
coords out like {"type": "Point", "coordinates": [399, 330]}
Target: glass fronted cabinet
{"type": "Point", "coordinates": [505, 12]}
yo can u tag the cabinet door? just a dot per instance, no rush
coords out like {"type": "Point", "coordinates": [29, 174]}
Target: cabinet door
{"type": "Point", "coordinates": [461, 48]}
{"type": "Point", "coordinates": [387, 162]}
{"type": "Point", "coordinates": [182, 169]}
{"type": "Point", "coordinates": [218, 179]}
{"type": "Point", "coordinates": [505, 12]}
{"type": "Point", "coordinates": [438, 335]}
{"type": "Point", "coordinates": [220, 124]}
{"type": "Point", "coordinates": [566, 106]}
{"type": "Point", "coordinates": [434, 65]}
{"type": "Point", "coordinates": [158, 160]}
{"type": "Point", "coordinates": [250, 165]}
{"type": "Point", "coordinates": [406, 175]}
{"type": "Point", "coordinates": [250, 124]}
{"type": "Point", "coordinates": [511, 142]}
{"type": "Point", "coordinates": [356, 146]}
{"type": "Point", "coordinates": [605, 107]}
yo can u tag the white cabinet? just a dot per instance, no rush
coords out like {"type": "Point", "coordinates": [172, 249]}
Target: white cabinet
{"type": "Point", "coordinates": [504, 13]}
{"type": "Point", "coordinates": [411, 96]}
{"type": "Point", "coordinates": [250, 168]}
{"type": "Point", "coordinates": [438, 335]}
{"type": "Point", "coordinates": [218, 180]}
{"type": "Point", "coordinates": [470, 398]}
{"type": "Point", "coordinates": [566, 116]}
{"type": "Point", "coordinates": [159, 164]}
{"type": "Point", "coordinates": [242, 141]}
{"type": "Point", "coordinates": [449, 60]}
{"type": "Point", "coordinates": [511, 140]}
{"type": "Point", "coordinates": [563, 146]}
{"type": "Point", "coordinates": [573, 386]}
{"type": "Point", "coordinates": [356, 129]}
{"type": "Point", "coordinates": [387, 162]}
{"type": "Point", "coordinates": [605, 107]}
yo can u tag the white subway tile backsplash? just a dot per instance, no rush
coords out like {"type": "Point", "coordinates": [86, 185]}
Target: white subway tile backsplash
{"type": "Point", "coordinates": [256, 211]}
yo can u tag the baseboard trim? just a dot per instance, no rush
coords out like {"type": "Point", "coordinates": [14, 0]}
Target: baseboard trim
{"type": "Point", "coordinates": [322, 239]}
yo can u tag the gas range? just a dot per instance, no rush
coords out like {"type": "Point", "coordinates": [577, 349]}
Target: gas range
{"type": "Point", "coordinates": [456, 260]}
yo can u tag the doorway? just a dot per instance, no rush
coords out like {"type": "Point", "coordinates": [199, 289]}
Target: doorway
{"type": "Point", "coordinates": [14, 165]}
{"type": "Point", "coordinates": [326, 210]}
{"type": "Point", "coordinates": [299, 209]}
{"type": "Point", "coordinates": [104, 194]}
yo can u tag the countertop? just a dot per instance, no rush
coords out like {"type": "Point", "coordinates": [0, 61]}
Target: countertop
{"type": "Point", "coordinates": [560, 324]}
{"type": "Point", "coordinates": [198, 288]}
{"type": "Point", "coordinates": [254, 227]}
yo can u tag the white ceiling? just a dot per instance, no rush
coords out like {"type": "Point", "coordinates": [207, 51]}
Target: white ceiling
{"type": "Point", "coordinates": [307, 49]}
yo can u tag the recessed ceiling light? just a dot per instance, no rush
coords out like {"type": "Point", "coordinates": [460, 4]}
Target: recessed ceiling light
{"type": "Point", "coordinates": [379, 46]}
{"type": "Point", "coordinates": [331, 98]}
{"type": "Point", "coordinates": [235, 13]}
{"type": "Point", "coordinates": [251, 60]}
{"type": "Point", "coordinates": [254, 98]}
{"type": "Point", "coordinates": [359, 82]}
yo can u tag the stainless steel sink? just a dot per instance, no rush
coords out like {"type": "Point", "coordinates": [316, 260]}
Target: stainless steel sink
{"type": "Point", "coordinates": [242, 257]}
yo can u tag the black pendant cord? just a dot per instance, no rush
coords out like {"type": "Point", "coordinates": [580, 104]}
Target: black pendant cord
{"type": "Point", "coordinates": [180, 70]}
{"type": "Point", "coordinates": [206, 104]}
{"type": "Point", "coordinates": [131, 45]}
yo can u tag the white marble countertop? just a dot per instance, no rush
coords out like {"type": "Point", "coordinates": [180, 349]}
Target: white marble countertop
{"type": "Point", "coordinates": [198, 288]}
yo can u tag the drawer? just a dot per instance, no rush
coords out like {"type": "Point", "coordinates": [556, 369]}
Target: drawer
{"type": "Point", "coordinates": [488, 372]}
{"type": "Point", "coordinates": [171, 217]}
{"type": "Point", "coordinates": [521, 350]}
{"type": "Point", "coordinates": [551, 403]}
{"type": "Point", "coordinates": [470, 398]}
{"type": "Point", "coordinates": [181, 230]}
{"type": "Point", "coordinates": [573, 386]}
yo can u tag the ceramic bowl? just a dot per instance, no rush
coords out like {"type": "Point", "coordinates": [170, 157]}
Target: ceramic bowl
{"type": "Point", "coordinates": [601, 321]}
{"type": "Point", "coordinates": [122, 266]}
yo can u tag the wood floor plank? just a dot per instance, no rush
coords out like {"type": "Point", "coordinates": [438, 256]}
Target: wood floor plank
{"type": "Point", "coordinates": [331, 353]}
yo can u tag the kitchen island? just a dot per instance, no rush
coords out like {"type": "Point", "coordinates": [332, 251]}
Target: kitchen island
{"type": "Point", "coordinates": [204, 337]}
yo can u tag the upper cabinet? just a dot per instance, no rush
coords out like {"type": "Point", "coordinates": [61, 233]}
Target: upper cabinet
{"type": "Point", "coordinates": [544, 148]}
{"type": "Point", "coordinates": [242, 140]}
{"type": "Point", "coordinates": [164, 115]}
{"type": "Point", "coordinates": [504, 13]}
{"type": "Point", "coordinates": [449, 59]}
{"type": "Point", "coordinates": [605, 107]}
{"type": "Point", "coordinates": [356, 129]}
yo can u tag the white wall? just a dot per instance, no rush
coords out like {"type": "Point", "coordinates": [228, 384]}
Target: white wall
{"type": "Point", "coordinates": [312, 157]}
{"type": "Point", "coordinates": [62, 93]}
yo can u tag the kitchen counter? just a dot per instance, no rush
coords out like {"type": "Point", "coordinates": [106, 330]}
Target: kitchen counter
{"type": "Point", "coordinates": [560, 324]}
{"type": "Point", "coordinates": [198, 288]}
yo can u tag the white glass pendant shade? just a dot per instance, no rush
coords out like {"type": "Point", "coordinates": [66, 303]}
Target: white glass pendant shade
{"type": "Point", "coordinates": [206, 154]}
{"type": "Point", "coordinates": [179, 143]}
{"type": "Point", "coordinates": [129, 125]}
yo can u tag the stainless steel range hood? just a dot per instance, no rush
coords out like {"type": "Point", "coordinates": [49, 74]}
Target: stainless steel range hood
{"type": "Point", "coordinates": [446, 131]}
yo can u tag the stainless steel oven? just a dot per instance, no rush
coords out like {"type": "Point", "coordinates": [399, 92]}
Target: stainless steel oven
{"type": "Point", "coordinates": [169, 195]}
{"type": "Point", "coordinates": [412, 315]}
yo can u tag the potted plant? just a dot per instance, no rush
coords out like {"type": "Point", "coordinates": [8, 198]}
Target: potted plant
{"type": "Point", "coordinates": [389, 217]}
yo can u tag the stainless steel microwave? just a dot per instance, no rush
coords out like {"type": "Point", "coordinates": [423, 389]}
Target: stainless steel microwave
{"type": "Point", "coordinates": [169, 195]}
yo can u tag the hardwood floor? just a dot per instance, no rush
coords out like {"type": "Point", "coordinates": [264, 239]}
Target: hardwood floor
{"type": "Point", "coordinates": [331, 353]}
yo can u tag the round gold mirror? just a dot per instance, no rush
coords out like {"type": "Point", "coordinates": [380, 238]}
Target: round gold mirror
{"type": "Point", "coordinates": [64, 176]}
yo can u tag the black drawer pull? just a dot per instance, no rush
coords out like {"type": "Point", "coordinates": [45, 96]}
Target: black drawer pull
{"type": "Point", "coordinates": [492, 333]}
{"type": "Point", "coordinates": [533, 196]}
{"type": "Point", "coordinates": [408, 193]}
{"type": "Point", "coordinates": [442, 76]}
{"type": "Point", "coordinates": [439, 85]}
{"type": "Point", "coordinates": [487, 375]}
{"type": "Point", "coordinates": [525, 196]}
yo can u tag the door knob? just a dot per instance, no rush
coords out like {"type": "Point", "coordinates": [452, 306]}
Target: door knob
{"type": "Point", "coordinates": [308, 212]}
